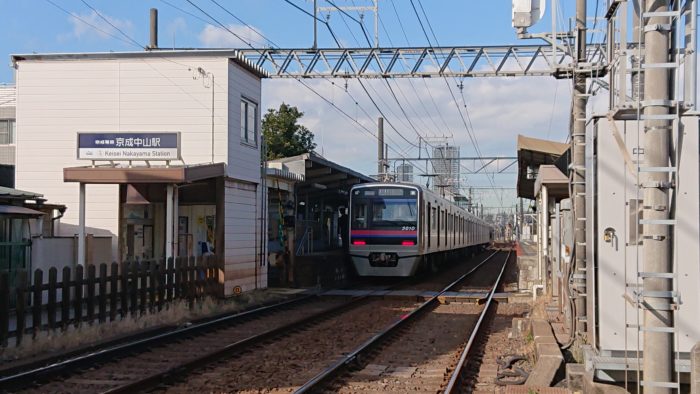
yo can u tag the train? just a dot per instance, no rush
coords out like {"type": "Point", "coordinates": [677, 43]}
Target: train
{"type": "Point", "coordinates": [399, 229]}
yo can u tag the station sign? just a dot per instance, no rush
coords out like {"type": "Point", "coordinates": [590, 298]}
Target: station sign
{"type": "Point", "coordinates": [129, 146]}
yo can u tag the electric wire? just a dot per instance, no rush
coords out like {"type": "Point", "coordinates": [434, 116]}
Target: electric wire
{"type": "Point", "coordinates": [76, 17]}
{"type": "Point", "coordinates": [470, 133]}
{"type": "Point", "coordinates": [439, 149]}
{"type": "Point", "coordinates": [306, 85]}
{"type": "Point", "coordinates": [111, 24]}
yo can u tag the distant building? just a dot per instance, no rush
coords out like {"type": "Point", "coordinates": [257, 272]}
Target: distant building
{"type": "Point", "coordinates": [404, 173]}
{"type": "Point", "coordinates": [7, 135]}
{"type": "Point", "coordinates": [447, 170]}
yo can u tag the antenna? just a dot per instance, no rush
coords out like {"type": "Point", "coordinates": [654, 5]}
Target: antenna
{"type": "Point", "coordinates": [526, 13]}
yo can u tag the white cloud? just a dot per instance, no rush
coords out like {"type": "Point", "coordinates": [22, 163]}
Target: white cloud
{"type": "Point", "coordinates": [82, 29]}
{"type": "Point", "coordinates": [215, 36]}
{"type": "Point", "coordinates": [499, 108]}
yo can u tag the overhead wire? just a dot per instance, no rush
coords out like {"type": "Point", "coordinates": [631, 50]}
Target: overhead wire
{"type": "Point", "coordinates": [427, 89]}
{"type": "Point", "coordinates": [272, 42]}
{"type": "Point", "coordinates": [111, 24]}
{"type": "Point", "coordinates": [77, 17]}
{"type": "Point", "coordinates": [469, 129]}
{"type": "Point", "coordinates": [364, 88]}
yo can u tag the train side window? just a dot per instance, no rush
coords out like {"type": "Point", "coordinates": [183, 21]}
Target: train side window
{"type": "Point", "coordinates": [430, 215]}
{"type": "Point", "coordinates": [455, 236]}
{"type": "Point", "coordinates": [439, 225]}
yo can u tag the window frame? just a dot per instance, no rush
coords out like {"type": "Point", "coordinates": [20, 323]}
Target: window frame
{"type": "Point", "coordinates": [11, 127]}
{"type": "Point", "coordinates": [245, 130]}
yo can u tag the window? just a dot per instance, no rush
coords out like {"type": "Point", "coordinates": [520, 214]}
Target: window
{"type": "Point", "coordinates": [7, 131]}
{"type": "Point", "coordinates": [429, 222]}
{"type": "Point", "coordinates": [359, 215]}
{"type": "Point", "coordinates": [249, 124]}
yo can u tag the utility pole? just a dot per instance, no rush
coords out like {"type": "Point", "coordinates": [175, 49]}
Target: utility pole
{"type": "Point", "coordinates": [656, 248]}
{"type": "Point", "coordinates": [578, 139]}
{"type": "Point", "coordinates": [380, 148]}
{"type": "Point", "coordinates": [315, 25]}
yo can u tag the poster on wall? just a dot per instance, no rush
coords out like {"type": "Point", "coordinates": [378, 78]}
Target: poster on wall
{"type": "Point", "coordinates": [211, 223]}
{"type": "Point", "coordinates": [129, 146]}
{"type": "Point", "coordinates": [183, 225]}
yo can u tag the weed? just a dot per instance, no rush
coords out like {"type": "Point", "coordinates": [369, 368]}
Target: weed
{"type": "Point", "coordinates": [177, 313]}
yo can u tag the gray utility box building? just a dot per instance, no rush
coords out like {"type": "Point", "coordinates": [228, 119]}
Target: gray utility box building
{"type": "Point", "coordinates": [614, 245]}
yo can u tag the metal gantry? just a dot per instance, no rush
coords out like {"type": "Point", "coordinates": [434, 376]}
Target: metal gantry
{"type": "Point", "coordinates": [426, 62]}
{"type": "Point", "coordinates": [477, 165]}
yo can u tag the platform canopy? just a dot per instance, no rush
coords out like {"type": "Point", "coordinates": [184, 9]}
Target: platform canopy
{"type": "Point", "coordinates": [320, 174]}
{"type": "Point", "coordinates": [532, 153]}
{"type": "Point", "coordinates": [556, 182]}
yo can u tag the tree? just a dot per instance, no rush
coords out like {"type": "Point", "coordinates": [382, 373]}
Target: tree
{"type": "Point", "coordinates": [283, 136]}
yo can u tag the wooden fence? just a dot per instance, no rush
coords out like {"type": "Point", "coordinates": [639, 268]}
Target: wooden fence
{"type": "Point", "coordinates": [95, 296]}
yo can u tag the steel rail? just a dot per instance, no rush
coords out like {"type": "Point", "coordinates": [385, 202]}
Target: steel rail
{"type": "Point", "coordinates": [54, 366]}
{"type": "Point", "coordinates": [452, 385]}
{"type": "Point", "coordinates": [197, 362]}
{"type": "Point", "coordinates": [328, 373]}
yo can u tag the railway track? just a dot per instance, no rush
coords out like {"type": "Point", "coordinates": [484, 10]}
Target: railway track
{"type": "Point", "coordinates": [146, 363]}
{"type": "Point", "coordinates": [420, 352]}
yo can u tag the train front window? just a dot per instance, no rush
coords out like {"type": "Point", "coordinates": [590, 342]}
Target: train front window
{"type": "Point", "coordinates": [385, 208]}
{"type": "Point", "coordinates": [393, 212]}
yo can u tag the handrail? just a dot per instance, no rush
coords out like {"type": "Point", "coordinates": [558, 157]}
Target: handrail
{"type": "Point", "coordinates": [307, 238]}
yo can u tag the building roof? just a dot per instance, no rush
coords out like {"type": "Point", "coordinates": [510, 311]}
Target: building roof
{"type": "Point", "coordinates": [538, 145]}
{"type": "Point", "coordinates": [233, 54]}
{"type": "Point", "coordinates": [13, 210]}
{"type": "Point", "coordinates": [532, 153]}
{"type": "Point", "coordinates": [15, 194]}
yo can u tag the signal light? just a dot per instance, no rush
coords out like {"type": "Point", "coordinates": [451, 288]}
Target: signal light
{"type": "Point", "coordinates": [407, 243]}
{"type": "Point", "coordinates": [359, 243]}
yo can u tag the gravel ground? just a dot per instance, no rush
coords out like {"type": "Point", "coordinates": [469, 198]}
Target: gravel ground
{"type": "Point", "coordinates": [421, 359]}
{"type": "Point", "coordinates": [288, 362]}
{"type": "Point", "coordinates": [100, 378]}
{"type": "Point", "coordinates": [498, 344]}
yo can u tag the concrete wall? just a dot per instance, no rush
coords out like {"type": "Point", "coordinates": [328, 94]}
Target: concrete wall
{"type": "Point", "coordinates": [243, 158]}
{"type": "Point", "coordinates": [61, 252]}
{"type": "Point", "coordinates": [244, 265]}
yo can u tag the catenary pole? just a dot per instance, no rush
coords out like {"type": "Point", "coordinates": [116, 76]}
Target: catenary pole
{"type": "Point", "coordinates": [656, 249]}
{"type": "Point", "coordinates": [578, 138]}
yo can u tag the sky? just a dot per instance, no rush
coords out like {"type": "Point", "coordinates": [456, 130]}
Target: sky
{"type": "Point", "coordinates": [498, 108]}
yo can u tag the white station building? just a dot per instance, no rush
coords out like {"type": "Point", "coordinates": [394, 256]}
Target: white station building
{"type": "Point", "coordinates": [158, 150]}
